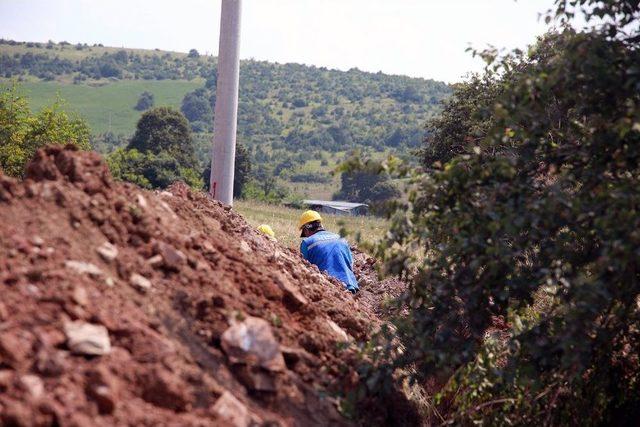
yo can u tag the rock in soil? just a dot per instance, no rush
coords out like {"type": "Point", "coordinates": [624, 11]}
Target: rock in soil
{"type": "Point", "coordinates": [231, 410]}
{"type": "Point", "coordinates": [139, 282]}
{"type": "Point", "coordinates": [107, 251]}
{"type": "Point", "coordinates": [82, 267]}
{"type": "Point", "coordinates": [88, 339]}
{"type": "Point", "coordinates": [251, 342]}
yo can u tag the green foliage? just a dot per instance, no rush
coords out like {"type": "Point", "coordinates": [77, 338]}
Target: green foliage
{"type": "Point", "coordinates": [364, 181]}
{"type": "Point", "coordinates": [22, 132]}
{"type": "Point", "coordinates": [145, 101]}
{"type": "Point", "coordinates": [149, 170]}
{"type": "Point", "coordinates": [533, 219]}
{"type": "Point", "coordinates": [160, 152]}
{"type": "Point", "coordinates": [464, 121]}
{"type": "Point", "coordinates": [196, 107]}
{"type": "Point", "coordinates": [265, 187]}
{"type": "Point", "coordinates": [164, 130]}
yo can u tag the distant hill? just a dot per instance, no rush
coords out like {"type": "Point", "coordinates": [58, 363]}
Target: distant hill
{"type": "Point", "coordinates": [290, 116]}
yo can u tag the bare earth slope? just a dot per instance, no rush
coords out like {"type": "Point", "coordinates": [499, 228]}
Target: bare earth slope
{"type": "Point", "coordinates": [127, 307]}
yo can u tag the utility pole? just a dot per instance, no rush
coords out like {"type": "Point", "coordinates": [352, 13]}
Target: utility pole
{"type": "Point", "coordinates": [226, 111]}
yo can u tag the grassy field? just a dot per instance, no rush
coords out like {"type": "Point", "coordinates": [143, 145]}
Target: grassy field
{"type": "Point", "coordinates": [108, 106]}
{"type": "Point", "coordinates": [284, 221]}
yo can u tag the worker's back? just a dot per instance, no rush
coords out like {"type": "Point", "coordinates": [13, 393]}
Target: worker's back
{"type": "Point", "coordinates": [330, 253]}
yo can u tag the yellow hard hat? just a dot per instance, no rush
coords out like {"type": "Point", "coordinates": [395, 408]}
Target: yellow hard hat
{"type": "Point", "coordinates": [307, 217]}
{"type": "Point", "coordinates": [265, 229]}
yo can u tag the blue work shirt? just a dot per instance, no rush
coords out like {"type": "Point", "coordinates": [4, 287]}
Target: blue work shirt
{"type": "Point", "coordinates": [330, 253]}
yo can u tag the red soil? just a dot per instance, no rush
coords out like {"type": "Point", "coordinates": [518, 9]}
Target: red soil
{"type": "Point", "coordinates": [186, 270]}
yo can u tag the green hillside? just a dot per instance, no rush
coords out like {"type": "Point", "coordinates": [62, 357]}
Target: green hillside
{"type": "Point", "coordinates": [297, 121]}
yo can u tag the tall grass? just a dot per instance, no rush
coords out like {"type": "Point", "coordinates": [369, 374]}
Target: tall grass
{"type": "Point", "coordinates": [284, 222]}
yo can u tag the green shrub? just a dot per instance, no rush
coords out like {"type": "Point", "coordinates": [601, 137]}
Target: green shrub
{"type": "Point", "coordinates": [149, 170]}
{"type": "Point", "coordinates": [530, 214]}
{"type": "Point", "coordinates": [23, 132]}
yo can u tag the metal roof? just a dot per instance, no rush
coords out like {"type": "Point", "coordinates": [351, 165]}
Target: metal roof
{"type": "Point", "coordinates": [334, 204]}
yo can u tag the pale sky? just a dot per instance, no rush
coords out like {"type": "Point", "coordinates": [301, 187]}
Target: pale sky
{"type": "Point", "coordinates": [419, 38]}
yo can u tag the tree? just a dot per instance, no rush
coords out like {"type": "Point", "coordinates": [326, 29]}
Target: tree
{"type": "Point", "coordinates": [366, 186]}
{"type": "Point", "coordinates": [164, 130]}
{"type": "Point", "coordinates": [145, 101]}
{"type": "Point", "coordinates": [196, 107]}
{"type": "Point", "coordinates": [241, 174]}
{"type": "Point", "coordinates": [22, 132]}
{"type": "Point", "coordinates": [464, 121]}
{"type": "Point", "coordinates": [535, 220]}
{"type": "Point", "coordinates": [212, 80]}
{"type": "Point", "coordinates": [193, 53]}
{"type": "Point", "coordinates": [110, 68]}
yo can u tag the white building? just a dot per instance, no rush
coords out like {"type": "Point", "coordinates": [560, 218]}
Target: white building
{"type": "Point", "coordinates": [337, 208]}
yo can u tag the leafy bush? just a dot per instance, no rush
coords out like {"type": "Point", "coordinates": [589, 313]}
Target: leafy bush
{"type": "Point", "coordinates": [145, 101]}
{"type": "Point", "coordinates": [363, 181]}
{"type": "Point", "coordinates": [197, 108]}
{"type": "Point", "coordinates": [160, 153]}
{"type": "Point", "coordinates": [22, 132]}
{"type": "Point", "coordinates": [149, 170]}
{"type": "Point", "coordinates": [530, 214]}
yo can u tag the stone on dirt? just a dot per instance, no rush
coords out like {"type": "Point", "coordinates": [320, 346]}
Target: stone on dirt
{"type": "Point", "coordinates": [142, 202]}
{"type": "Point", "coordinates": [291, 291]}
{"type": "Point", "coordinates": [86, 338]}
{"type": "Point", "coordinates": [251, 342]}
{"type": "Point", "coordinates": [244, 247]}
{"type": "Point", "coordinates": [172, 257]}
{"type": "Point", "coordinates": [33, 385]}
{"type": "Point", "coordinates": [82, 267]}
{"type": "Point", "coordinates": [107, 251]}
{"type": "Point", "coordinates": [338, 332]}
{"type": "Point", "coordinates": [80, 296]}
{"type": "Point", "coordinates": [231, 410]}
{"type": "Point", "coordinates": [155, 260]}
{"type": "Point", "coordinates": [139, 282]}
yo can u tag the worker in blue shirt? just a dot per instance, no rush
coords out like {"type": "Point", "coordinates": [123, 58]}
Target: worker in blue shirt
{"type": "Point", "coordinates": [328, 251]}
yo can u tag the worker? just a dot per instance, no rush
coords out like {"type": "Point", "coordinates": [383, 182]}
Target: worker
{"type": "Point", "coordinates": [267, 231]}
{"type": "Point", "coordinates": [328, 251]}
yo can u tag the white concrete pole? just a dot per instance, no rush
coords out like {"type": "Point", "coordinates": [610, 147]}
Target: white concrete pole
{"type": "Point", "coordinates": [226, 111]}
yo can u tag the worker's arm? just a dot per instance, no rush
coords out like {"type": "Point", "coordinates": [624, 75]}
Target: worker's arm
{"type": "Point", "coordinates": [303, 250]}
{"type": "Point", "coordinates": [350, 257]}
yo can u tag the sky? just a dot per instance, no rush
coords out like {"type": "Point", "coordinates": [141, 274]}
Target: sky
{"type": "Point", "coordinates": [419, 38]}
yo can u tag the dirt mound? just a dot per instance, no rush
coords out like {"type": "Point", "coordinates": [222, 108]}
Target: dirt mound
{"type": "Point", "coordinates": [127, 307]}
